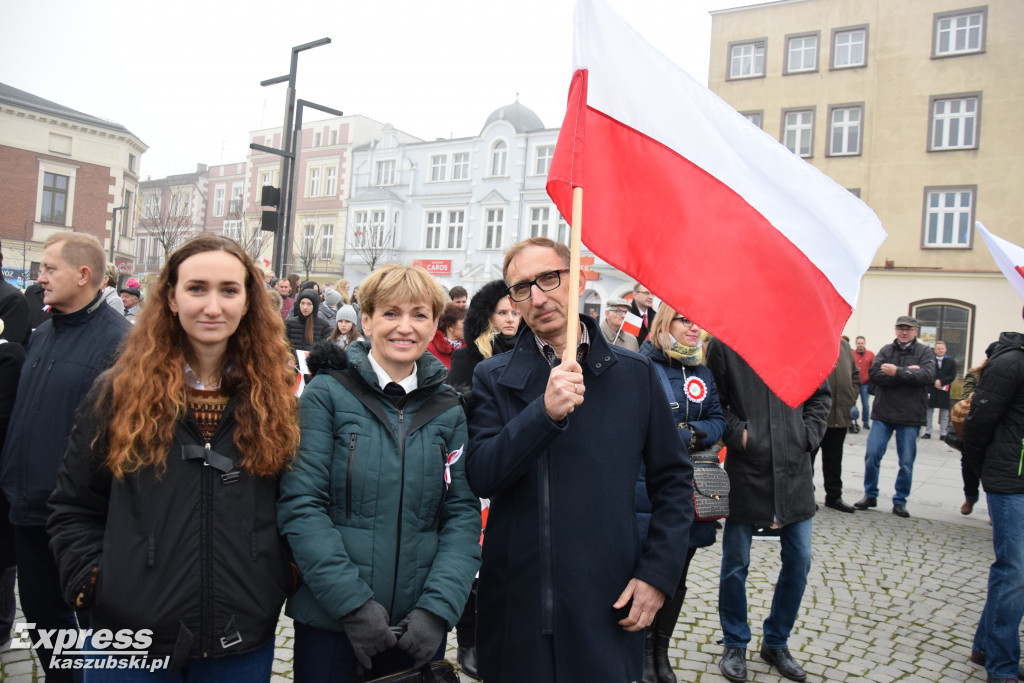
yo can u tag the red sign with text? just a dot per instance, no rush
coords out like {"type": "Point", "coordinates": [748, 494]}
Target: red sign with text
{"type": "Point", "coordinates": [435, 266]}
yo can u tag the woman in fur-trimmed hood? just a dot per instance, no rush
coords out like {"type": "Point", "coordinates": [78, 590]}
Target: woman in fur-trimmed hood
{"type": "Point", "coordinates": [491, 326]}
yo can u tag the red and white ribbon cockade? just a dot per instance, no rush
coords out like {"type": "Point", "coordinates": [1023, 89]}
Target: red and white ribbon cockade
{"type": "Point", "coordinates": [696, 390]}
{"type": "Point", "coordinates": [452, 458]}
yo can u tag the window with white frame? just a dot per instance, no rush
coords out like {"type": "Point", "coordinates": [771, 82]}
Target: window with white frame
{"type": "Point", "coordinates": [746, 60]}
{"type": "Point", "coordinates": [330, 181]}
{"type": "Point", "coordinates": [316, 139]}
{"type": "Point", "coordinates": [456, 228]}
{"type": "Point", "coordinates": [438, 167]}
{"type": "Point", "coordinates": [141, 248]}
{"type": "Point", "coordinates": [801, 53]}
{"type": "Point", "coordinates": [845, 127]}
{"type": "Point", "coordinates": [268, 178]}
{"type": "Point", "coordinates": [327, 240]}
{"type": "Point", "coordinates": [232, 229]}
{"type": "Point", "coordinates": [755, 117]}
{"type": "Point", "coordinates": [499, 158]}
{"type": "Point", "coordinates": [360, 223]}
{"type": "Point", "coordinates": [314, 182]}
{"type": "Point", "coordinates": [545, 221]}
{"type": "Point", "coordinates": [236, 200]}
{"type": "Point", "coordinates": [960, 33]}
{"type": "Point", "coordinates": [386, 172]}
{"type": "Point", "coordinates": [55, 198]}
{"type": "Point", "coordinates": [954, 123]}
{"type": "Point", "coordinates": [460, 166]}
{"type": "Point", "coordinates": [186, 203]}
{"type": "Point", "coordinates": [545, 153]}
{"type": "Point", "coordinates": [434, 226]}
{"type": "Point", "coordinates": [377, 235]}
{"type": "Point", "coordinates": [334, 137]}
{"type": "Point", "coordinates": [798, 131]}
{"type": "Point", "coordinates": [948, 216]}
{"type": "Point", "coordinates": [493, 227]}
{"type": "Point", "coordinates": [151, 206]}
{"type": "Point", "coordinates": [849, 48]}
{"type": "Point", "coordinates": [308, 240]}
{"type": "Point", "coordinates": [218, 201]}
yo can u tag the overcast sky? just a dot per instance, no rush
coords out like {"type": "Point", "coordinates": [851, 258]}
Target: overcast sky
{"type": "Point", "coordinates": [184, 76]}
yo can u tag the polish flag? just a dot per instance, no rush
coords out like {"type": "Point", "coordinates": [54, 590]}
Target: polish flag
{"type": "Point", "coordinates": [632, 324]}
{"type": "Point", "coordinates": [1008, 256]}
{"type": "Point", "coordinates": [711, 213]}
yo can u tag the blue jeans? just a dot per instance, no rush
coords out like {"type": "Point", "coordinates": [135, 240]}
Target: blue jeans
{"type": "Point", "coordinates": [906, 450]}
{"type": "Point", "coordinates": [998, 631]}
{"type": "Point", "coordinates": [250, 667]}
{"type": "Point", "coordinates": [865, 404]}
{"type": "Point", "coordinates": [795, 541]}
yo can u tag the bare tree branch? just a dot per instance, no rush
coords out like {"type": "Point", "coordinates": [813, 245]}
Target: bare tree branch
{"type": "Point", "coordinates": [370, 242]}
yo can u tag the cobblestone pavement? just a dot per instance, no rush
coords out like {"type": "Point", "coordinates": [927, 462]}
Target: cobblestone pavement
{"type": "Point", "coordinates": [888, 599]}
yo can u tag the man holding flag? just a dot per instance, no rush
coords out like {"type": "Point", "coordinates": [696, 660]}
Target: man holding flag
{"type": "Point", "coordinates": [612, 326]}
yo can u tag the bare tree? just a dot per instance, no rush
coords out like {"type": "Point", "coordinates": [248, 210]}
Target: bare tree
{"type": "Point", "coordinates": [370, 242]}
{"type": "Point", "coordinates": [249, 234]}
{"type": "Point", "coordinates": [173, 224]}
{"type": "Point", "coordinates": [310, 247]}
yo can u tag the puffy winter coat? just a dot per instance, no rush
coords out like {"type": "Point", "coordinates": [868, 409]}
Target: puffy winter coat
{"type": "Point", "coordinates": [902, 399]}
{"type": "Point", "coordinates": [193, 554]}
{"type": "Point", "coordinates": [994, 429]}
{"type": "Point", "coordinates": [770, 480]}
{"type": "Point", "coordinates": [366, 507]}
{"type": "Point", "coordinates": [295, 325]}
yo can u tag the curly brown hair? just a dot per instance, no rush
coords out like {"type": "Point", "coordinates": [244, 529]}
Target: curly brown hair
{"type": "Point", "coordinates": [147, 386]}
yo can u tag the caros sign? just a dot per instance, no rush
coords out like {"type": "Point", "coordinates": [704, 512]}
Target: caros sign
{"type": "Point", "coordinates": [436, 267]}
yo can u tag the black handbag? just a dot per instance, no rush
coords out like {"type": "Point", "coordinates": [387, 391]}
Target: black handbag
{"type": "Point", "coordinates": [710, 481]}
{"type": "Point", "coordinates": [431, 672]}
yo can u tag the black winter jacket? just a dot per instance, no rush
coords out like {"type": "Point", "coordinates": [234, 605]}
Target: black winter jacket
{"type": "Point", "coordinates": [771, 478]}
{"type": "Point", "coordinates": [295, 324]}
{"type": "Point", "coordinates": [64, 355]}
{"type": "Point", "coordinates": [902, 399]}
{"type": "Point", "coordinates": [194, 554]}
{"type": "Point", "coordinates": [994, 429]}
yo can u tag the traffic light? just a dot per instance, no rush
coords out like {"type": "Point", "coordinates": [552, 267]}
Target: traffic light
{"type": "Point", "coordinates": [270, 196]}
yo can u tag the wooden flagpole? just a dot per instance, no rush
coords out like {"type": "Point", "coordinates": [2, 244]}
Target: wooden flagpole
{"type": "Point", "coordinates": [572, 331]}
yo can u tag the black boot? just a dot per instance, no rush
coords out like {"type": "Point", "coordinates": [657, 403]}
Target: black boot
{"type": "Point", "coordinates": [7, 606]}
{"type": "Point", "coordinates": [664, 625]}
{"type": "Point", "coordinates": [649, 674]}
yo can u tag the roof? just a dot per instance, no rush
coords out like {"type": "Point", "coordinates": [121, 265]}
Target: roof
{"type": "Point", "coordinates": [20, 98]}
{"type": "Point", "coordinates": [522, 118]}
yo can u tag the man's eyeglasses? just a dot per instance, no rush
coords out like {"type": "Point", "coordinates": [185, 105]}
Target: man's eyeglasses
{"type": "Point", "coordinates": [545, 282]}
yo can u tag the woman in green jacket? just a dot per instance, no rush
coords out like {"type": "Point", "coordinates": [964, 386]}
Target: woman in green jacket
{"type": "Point", "coordinates": [377, 509]}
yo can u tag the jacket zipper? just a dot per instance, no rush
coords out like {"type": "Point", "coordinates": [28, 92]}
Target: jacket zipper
{"type": "Point", "coordinates": [349, 476]}
{"type": "Point", "coordinates": [401, 497]}
{"type": "Point", "coordinates": [205, 557]}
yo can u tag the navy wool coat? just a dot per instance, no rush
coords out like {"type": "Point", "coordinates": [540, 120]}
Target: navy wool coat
{"type": "Point", "coordinates": [562, 540]}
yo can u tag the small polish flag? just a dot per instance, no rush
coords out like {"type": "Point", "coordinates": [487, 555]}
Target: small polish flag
{"type": "Point", "coordinates": [632, 324]}
{"type": "Point", "coordinates": [1008, 256]}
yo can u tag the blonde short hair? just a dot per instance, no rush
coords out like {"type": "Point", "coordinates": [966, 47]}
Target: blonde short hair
{"type": "Point", "coordinates": [81, 249]}
{"type": "Point", "coordinates": [392, 283]}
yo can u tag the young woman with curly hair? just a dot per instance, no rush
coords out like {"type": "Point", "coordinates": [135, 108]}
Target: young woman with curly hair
{"type": "Point", "coordinates": [164, 512]}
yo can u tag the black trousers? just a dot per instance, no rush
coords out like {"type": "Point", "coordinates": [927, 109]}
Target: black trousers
{"type": "Point", "coordinates": [39, 589]}
{"type": "Point", "coordinates": [971, 481]}
{"type": "Point", "coordinates": [832, 462]}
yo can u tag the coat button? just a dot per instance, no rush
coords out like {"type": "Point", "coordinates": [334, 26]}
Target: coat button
{"type": "Point", "coordinates": [607, 357]}
{"type": "Point", "coordinates": [597, 365]}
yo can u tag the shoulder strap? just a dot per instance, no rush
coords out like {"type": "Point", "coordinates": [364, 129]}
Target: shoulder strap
{"type": "Point", "coordinates": [674, 405]}
{"type": "Point", "coordinates": [431, 408]}
{"type": "Point", "coordinates": [437, 404]}
{"type": "Point", "coordinates": [363, 394]}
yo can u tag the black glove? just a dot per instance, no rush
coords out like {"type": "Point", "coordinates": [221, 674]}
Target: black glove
{"type": "Point", "coordinates": [422, 637]}
{"type": "Point", "coordinates": [368, 631]}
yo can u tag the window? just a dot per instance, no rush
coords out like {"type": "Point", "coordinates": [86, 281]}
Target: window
{"type": "Point", "coordinates": [948, 216]}
{"type": "Point", "coordinates": [438, 167]}
{"type": "Point", "coordinates": [55, 198]}
{"type": "Point", "coordinates": [129, 201]}
{"type": "Point", "coordinates": [545, 153]}
{"type": "Point", "coordinates": [378, 232]}
{"type": "Point", "coordinates": [948, 321]}
{"type": "Point", "coordinates": [236, 200]}
{"type": "Point", "coordinates": [359, 226]}
{"type": "Point", "coordinates": [954, 123]}
{"type": "Point", "coordinates": [308, 240]}
{"type": "Point", "coordinates": [499, 158]}
{"type": "Point", "coordinates": [845, 125]}
{"type": "Point", "coordinates": [960, 33]}
{"type": "Point", "coordinates": [132, 162]}
{"type": "Point", "coordinates": [746, 60]}
{"type": "Point", "coordinates": [326, 241]}
{"type": "Point", "coordinates": [268, 178]}
{"type": "Point", "coordinates": [218, 201]}
{"type": "Point", "coordinates": [545, 221]}
{"type": "Point", "coordinates": [456, 228]}
{"type": "Point", "coordinates": [316, 139]}
{"type": "Point", "coordinates": [801, 53]}
{"type": "Point", "coordinates": [460, 166]}
{"type": "Point", "coordinates": [151, 206]}
{"type": "Point", "coordinates": [334, 137]}
{"type": "Point", "coordinates": [314, 182]}
{"type": "Point", "coordinates": [798, 131]}
{"type": "Point", "coordinates": [849, 47]}
{"type": "Point", "coordinates": [330, 189]}
{"type": "Point", "coordinates": [434, 225]}
{"type": "Point", "coordinates": [232, 229]}
{"type": "Point", "coordinates": [755, 117]}
{"type": "Point", "coordinates": [493, 228]}
{"type": "Point", "coordinates": [386, 172]}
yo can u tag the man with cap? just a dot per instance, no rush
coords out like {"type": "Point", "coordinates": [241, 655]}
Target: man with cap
{"type": "Point", "coordinates": [902, 372]}
{"type": "Point", "coordinates": [611, 326]}
{"type": "Point", "coordinates": [131, 292]}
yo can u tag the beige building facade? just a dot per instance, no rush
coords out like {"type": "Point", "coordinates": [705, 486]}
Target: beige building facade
{"type": "Point", "coordinates": [915, 107]}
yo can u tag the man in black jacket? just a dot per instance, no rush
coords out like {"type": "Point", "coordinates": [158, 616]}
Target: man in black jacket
{"type": "Point", "coordinates": [769, 465]}
{"type": "Point", "coordinates": [13, 311]}
{"type": "Point", "coordinates": [994, 447]}
{"type": "Point", "coordinates": [902, 371]}
{"type": "Point", "coordinates": [643, 308]}
{"type": "Point", "coordinates": [938, 394]}
{"type": "Point", "coordinates": [64, 355]}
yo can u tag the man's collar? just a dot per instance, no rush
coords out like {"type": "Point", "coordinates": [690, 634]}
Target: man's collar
{"type": "Point", "coordinates": [548, 352]}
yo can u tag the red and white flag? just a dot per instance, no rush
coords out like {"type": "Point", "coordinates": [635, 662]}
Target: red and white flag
{"type": "Point", "coordinates": [1008, 256]}
{"type": "Point", "coordinates": [632, 323]}
{"type": "Point", "coordinates": [712, 214]}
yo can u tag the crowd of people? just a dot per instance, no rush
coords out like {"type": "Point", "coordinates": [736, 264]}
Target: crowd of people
{"type": "Point", "coordinates": [448, 463]}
